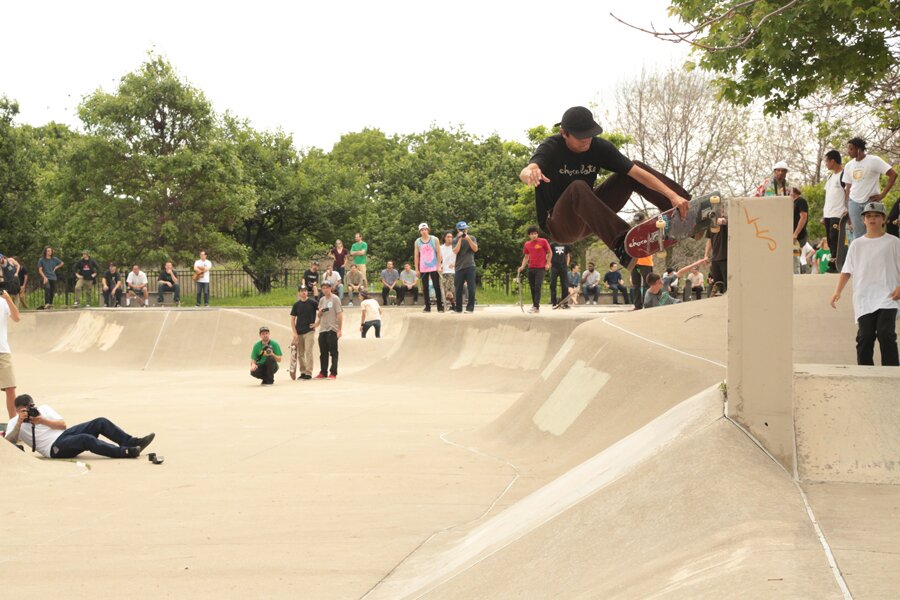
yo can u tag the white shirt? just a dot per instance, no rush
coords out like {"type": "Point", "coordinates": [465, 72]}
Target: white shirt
{"type": "Point", "coordinates": [334, 278]}
{"type": "Point", "coordinates": [696, 280]}
{"type": "Point", "coordinates": [137, 280]}
{"type": "Point", "coordinates": [874, 264]}
{"type": "Point", "coordinates": [864, 177]}
{"type": "Point", "coordinates": [45, 435]}
{"type": "Point", "coordinates": [834, 197]}
{"type": "Point", "coordinates": [203, 263]}
{"type": "Point", "coordinates": [4, 326]}
{"type": "Point", "coordinates": [371, 311]}
{"type": "Point", "coordinates": [448, 259]}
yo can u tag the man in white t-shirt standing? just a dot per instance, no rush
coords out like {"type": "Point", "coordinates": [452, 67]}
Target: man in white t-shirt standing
{"type": "Point", "coordinates": [873, 261]}
{"type": "Point", "coordinates": [835, 203]}
{"type": "Point", "coordinates": [862, 182]}
{"type": "Point", "coordinates": [202, 267]}
{"type": "Point", "coordinates": [136, 284]}
{"type": "Point", "coordinates": [8, 310]}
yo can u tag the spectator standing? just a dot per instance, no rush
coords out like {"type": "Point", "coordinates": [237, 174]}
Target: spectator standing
{"type": "Point", "coordinates": [448, 269]}
{"type": "Point", "coordinates": [48, 265]}
{"type": "Point", "coordinates": [330, 323]}
{"type": "Point", "coordinates": [340, 254]}
{"type": "Point", "coordinates": [370, 316]}
{"type": "Point", "coordinates": [574, 283]}
{"type": "Point", "coordinates": [303, 323]}
{"type": "Point", "coordinates": [360, 252]}
{"type": "Point", "coordinates": [86, 272]}
{"type": "Point", "coordinates": [356, 282]}
{"type": "Point", "coordinates": [8, 311]}
{"type": "Point", "coordinates": [136, 286]}
{"type": "Point", "coordinates": [427, 256]}
{"type": "Point", "coordinates": [311, 278]}
{"type": "Point", "coordinates": [717, 253]}
{"type": "Point", "coordinates": [409, 283]}
{"type": "Point", "coordinates": [862, 182]}
{"type": "Point", "coordinates": [873, 261]}
{"type": "Point", "coordinates": [590, 283]}
{"type": "Point", "coordinates": [264, 357]}
{"type": "Point", "coordinates": [776, 184]}
{"type": "Point", "coordinates": [613, 280]}
{"type": "Point", "coordinates": [465, 246]}
{"type": "Point", "coordinates": [560, 256]}
{"type": "Point", "coordinates": [202, 267]}
{"type": "Point", "coordinates": [801, 218]}
{"type": "Point", "coordinates": [22, 273]}
{"type": "Point", "coordinates": [168, 282]}
{"type": "Point", "coordinates": [835, 203]}
{"type": "Point", "coordinates": [9, 275]}
{"type": "Point", "coordinates": [642, 268]}
{"type": "Point", "coordinates": [335, 279]}
{"type": "Point", "coordinates": [112, 286]}
{"type": "Point", "coordinates": [536, 256]}
{"type": "Point", "coordinates": [390, 281]}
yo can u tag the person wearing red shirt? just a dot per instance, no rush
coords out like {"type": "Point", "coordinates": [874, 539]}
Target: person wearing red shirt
{"type": "Point", "coordinates": [536, 256]}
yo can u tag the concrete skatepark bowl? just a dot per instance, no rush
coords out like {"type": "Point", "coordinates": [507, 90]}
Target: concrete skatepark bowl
{"type": "Point", "coordinates": [587, 453]}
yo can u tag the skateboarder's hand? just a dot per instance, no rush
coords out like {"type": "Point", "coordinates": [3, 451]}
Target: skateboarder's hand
{"type": "Point", "coordinates": [532, 176]}
{"type": "Point", "coordinates": [682, 205]}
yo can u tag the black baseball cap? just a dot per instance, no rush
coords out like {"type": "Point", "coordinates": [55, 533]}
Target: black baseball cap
{"type": "Point", "coordinates": [263, 328]}
{"type": "Point", "coordinates": [579, 122]}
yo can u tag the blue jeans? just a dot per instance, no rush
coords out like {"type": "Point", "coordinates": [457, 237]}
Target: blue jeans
{"type": "Point", "coordinates": [203, 290]}
{"type": "Point", "coordinates": [854, 209]}
{"type": "Point", "coordinates": [174, 288]}
{"type": "Point", "coordinates": [83, 438]}
{"type": "Point", "coordinates": [370, 324]}
{"type": "Point", "coordinates": [616, 288]}
{"type": "Point", "coordinates": [464, 277]}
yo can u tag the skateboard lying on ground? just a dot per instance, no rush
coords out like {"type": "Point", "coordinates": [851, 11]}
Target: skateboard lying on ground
{"type": "Point", "coordinates": [656, 234]}
{"type": "Point", "coordinates": [293, 368]}
{"type": "Point", "coordinates": [843, 242]}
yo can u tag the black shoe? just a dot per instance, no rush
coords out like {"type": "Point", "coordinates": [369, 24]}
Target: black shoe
{"type": "Point", "coordinates": [626, 261]}
{"type": "Point", "coordinates": [145, 441]}
{"type": "Point", "coordinates": [132, 452]}
{"type": "Point", "coordinates": [426, 310]}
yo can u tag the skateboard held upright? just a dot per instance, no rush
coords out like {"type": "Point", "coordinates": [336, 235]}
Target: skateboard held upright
{"type": "Point", "coordinates": [293, 368]}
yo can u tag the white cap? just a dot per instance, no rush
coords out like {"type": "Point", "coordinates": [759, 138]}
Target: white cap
{"type": "Point", "coordinates": [423, 226]}
{"type": "Point", "coordinates": [780, 165]}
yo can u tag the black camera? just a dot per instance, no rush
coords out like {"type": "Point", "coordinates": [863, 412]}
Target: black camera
{"type": "Point", "coordinates": [267, 348]}
{"type": "Point", "coordinates": [33, 411]}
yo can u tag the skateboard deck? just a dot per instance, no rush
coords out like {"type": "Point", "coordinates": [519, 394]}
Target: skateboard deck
{"type": "Point", "coordinates": [843, 242]}
{"type": "Point", "coordinates": [293, 368]}
{"type": "Point", "coordinates": [519, 287]}
{"type": "Point", "coordinates": [564, 300]}
{"type": "Point", "coordinates": [656, 234]}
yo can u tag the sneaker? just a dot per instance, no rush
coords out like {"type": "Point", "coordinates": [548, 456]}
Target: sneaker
{"type": "Point", "coordinates": [440, 310]}
{"type": "Point", "coordinates": [427, 309]}
{"type": "Point", "coordinates": [268, 383]}
{"type": "Point", "coordinates": [305, 376]}
{"type": "Point", "coordinates": [132, 452]}
{"type": "Point", "coordinates": [128, 302]}
{"type": "Point", "coordinates": [534, 309]}
{"type": "Point", "coordinates": [145, 441]}
{"type": "Point", "coordinates": [321, 376]}
{"type": "Point", "coordinates": [350, 303]}
{"type": "Point", "coordinates": [75, 305]}
{"type": "Point", "coordinates": [626, 261]}
{"type": "Point", "coordinates": [332, 376]}
{"type": "Point", "coordinates": [87, 305]}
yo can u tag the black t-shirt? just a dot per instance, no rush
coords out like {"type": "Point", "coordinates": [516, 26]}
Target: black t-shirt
{"type": "Point", "coordinates": [613, 277]}
{"type": "Point", "coordinates": [10, 279]}
{"type": "Point", "coordinates": [558, 253]}
{"type": "Point", "coordinates": [112, 279]}
{"type": "Point", "coordinates": [311, 278]}
{"type": "Point", "coordinates": [305, 313]}
{"type": "Point", "coordinates": [562, 166]}
{"type": "Point", "coordinates": [163, 276]}
{"type": "Point", "coordinates": [800, 205]}
{"type": "Point", "coordinates": [719, 243]}
{"type": "Point", "coordinates": [87, 268]}
{"type": "Point", "coordinates": [23, 273]}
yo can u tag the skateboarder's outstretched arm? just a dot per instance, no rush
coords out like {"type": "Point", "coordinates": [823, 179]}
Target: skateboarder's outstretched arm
{"type": "Point", "coordinates": [650, 180]}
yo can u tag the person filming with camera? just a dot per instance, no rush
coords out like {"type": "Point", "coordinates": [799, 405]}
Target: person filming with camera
{"type": "Point", "coordinates": [264, 357]}
{"type": "Point", "coordinates": [45, 431]}
{"type": "Point", "coordinates": [8, 310]}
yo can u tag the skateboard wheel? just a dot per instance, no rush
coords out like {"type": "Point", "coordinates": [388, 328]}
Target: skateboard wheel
{"type": "Point", "coordinates": [661, 254]}
{"type": "Point", "coordinates": [714, 199]}
{"type": "Point", "coordinates": [714, 229]}
{"type": "Point", "coordinates": [660, 224]}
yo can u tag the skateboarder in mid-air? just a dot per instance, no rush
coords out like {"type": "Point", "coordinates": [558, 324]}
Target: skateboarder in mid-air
{"type": "Point", "coordinates": [563, 171]}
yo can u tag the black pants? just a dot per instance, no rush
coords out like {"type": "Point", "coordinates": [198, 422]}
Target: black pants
{"type": "Point", "coordinates": [385, 292]}
{"type": "Point", "coordinates": [831, 234]}
{"type": "Point", "coordinates": [616, 288]}
{"type": "Point", "coordinates": [893, 222]}
{"type": "Point", "coordinates": [464, 277]}
{"type": "Point", "coordinates": [402, 290]}
{"type": "Point", "coordinates": [328, 346]}
{"type": "Point", "coordinates": [558, 276]}
{"type": "Point", "coordinates": [718, 275]}
{"type": "Point", "coordinates": [698, 292]}
{"type": "Point", "coordinates": [880, 325]}
{"type": "Point", "coordinates": [376, 324]}
{"type": "Point", "coordinates": [435, 278]}
{"type": "Point", "coordinates": [49, 291]}
{"type": "Point", "coordinates": [536, 282]}
{"type": "Point", "coordinates": [108, 297]}
{"type": "Point", "coordinates": [174, 288]}
{"type": "Point", "coordinates": [266, 371]}
{"type": "Point", "coordinates": [639, 284]}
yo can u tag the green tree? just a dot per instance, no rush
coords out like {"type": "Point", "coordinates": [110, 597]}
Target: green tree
{"type": "Point", "coordinates": [154, 178]}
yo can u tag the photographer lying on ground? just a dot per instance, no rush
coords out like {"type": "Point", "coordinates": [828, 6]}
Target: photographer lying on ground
{"type": "Point", "coordinates": [264, 357]}
{"type": "Point", "coordinates": [44, 430]}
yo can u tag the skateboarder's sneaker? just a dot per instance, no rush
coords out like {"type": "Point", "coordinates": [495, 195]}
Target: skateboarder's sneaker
{"type": "Point", "coordinates": [626, 261]}
{"type": "Point", "coordinates": [321, 376]}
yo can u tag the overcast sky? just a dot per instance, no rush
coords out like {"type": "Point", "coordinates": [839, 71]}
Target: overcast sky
{"type": "Point", "coordinates": [319, 70]}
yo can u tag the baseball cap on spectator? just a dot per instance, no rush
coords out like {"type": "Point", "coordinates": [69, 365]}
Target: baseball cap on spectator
{"type": "Point", "coordinates": [780, 165]}
{"type": "Point", "coordinates": [462, 225]}
{"type": "Point", "coordinates": [301, 288]}
{"type": "Point", "coordinates": [363, 293]}
{"type": "Point", "coordinates": [326, 283]}
{"type": "Point", "coordinates": [423, 226]}
{"type": "Point", "coordinates": [874, 207]}
{"type": "Point", "coordinates": [263, 328]}
{"type": "Point", "coordinates": [579, 122]}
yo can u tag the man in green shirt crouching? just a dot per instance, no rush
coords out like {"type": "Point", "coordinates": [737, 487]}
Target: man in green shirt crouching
{"type": "Point", "coordinates": [264, 357]}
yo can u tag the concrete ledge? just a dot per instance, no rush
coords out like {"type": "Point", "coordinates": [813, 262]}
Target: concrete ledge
{"type": "Point", "coordinates": [846, 423]}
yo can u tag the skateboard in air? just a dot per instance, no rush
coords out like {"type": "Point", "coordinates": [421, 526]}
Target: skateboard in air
{"type": "Point", "coordinates": [656, 234]}
{"type": "Point", "coordinates": [843, 242]}
{"type": "Point", "coordinates": [293, 368]}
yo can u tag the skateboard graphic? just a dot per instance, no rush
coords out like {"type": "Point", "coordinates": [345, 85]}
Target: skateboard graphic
{"type": "Point", "coordinates": [843, 242]}
{"type": "Point", "coordinates": [293, 368]}
{"type": "Point", "coordinates": [656, 234]}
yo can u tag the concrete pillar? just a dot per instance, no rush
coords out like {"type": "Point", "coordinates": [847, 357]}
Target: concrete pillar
{"type": "Point", "coordinates": [760, 299]}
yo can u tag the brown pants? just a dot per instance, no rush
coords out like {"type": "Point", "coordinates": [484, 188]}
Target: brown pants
{"type": "Point", "coordinates": [581, 211]}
